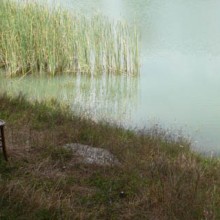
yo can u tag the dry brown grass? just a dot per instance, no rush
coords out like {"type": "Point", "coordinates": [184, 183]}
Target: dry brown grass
{"type": "Point", "coordinates": [160, 179]}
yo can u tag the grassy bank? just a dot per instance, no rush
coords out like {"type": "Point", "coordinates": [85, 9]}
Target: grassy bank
{"type": "Point", "coordinates": [37, 39]}
{"type": "Point", "coordinates": [161, 178]}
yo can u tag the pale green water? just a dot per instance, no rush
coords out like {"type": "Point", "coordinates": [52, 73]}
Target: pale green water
{"type": "Point", "coordinates": [179, 85]}
{"type": "Point", "coordinates": [97, 97]}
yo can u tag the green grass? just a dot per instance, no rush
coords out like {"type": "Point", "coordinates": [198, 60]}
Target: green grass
{"type": "Point", "coordinates": [160, 178]}
{"type": "Point", "coordinates": [37, 39]}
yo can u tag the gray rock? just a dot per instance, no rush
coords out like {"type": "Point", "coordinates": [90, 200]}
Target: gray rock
{"type": "Point", "coordinates": [93, 155]}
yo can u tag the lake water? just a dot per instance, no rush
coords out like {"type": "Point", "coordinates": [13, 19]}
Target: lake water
{"type": "Point", "coordinates": [179, 84]}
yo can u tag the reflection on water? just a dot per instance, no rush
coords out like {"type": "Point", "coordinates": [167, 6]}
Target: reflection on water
{"type": "Point", "coordinates": [105, 97]}
{"type": "Point", "coordinates": [180, 81]}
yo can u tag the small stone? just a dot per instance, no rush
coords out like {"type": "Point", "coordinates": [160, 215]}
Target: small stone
{"type": "Point", "coordinates": [122, 194]}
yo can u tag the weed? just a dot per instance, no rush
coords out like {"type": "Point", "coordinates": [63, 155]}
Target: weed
{"type": "Point", "coordinates": [157, 179]}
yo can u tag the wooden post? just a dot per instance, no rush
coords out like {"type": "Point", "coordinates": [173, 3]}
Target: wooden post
{"type": "Point", "coordinates": [2, 139]}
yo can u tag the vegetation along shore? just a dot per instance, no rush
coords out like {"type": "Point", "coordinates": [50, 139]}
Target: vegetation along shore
{"type": "Point", "coordinates": [154, 176]}
{"type": "Point", "coordinates": [39, 39]}
{"type": "Point", "coordinates": [157, 178]}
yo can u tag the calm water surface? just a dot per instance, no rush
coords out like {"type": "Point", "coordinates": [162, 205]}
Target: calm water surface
{"type": "Point", "coordinates": [179, 85]}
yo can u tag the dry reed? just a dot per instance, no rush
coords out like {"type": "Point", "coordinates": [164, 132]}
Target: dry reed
{"type": "Point", "coordinates": [37, 39]}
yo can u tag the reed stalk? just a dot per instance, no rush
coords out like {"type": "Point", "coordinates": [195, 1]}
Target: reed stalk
{"type": "Point", "coordinates": [37, 39]}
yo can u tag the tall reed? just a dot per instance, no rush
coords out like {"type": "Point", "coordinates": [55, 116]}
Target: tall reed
{"type": "Point", "coordinates": [37, 39]}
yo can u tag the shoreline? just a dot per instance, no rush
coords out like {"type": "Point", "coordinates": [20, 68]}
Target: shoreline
{"type": "Point", "coordinates": [159, 178]}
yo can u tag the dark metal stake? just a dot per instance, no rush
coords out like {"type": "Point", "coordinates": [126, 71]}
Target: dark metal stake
{"type": "Point", "coordinates": [2, 139]}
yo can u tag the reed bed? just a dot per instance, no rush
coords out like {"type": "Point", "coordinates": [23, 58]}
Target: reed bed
{"type": "Point", "coordinates": [37, 39]}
